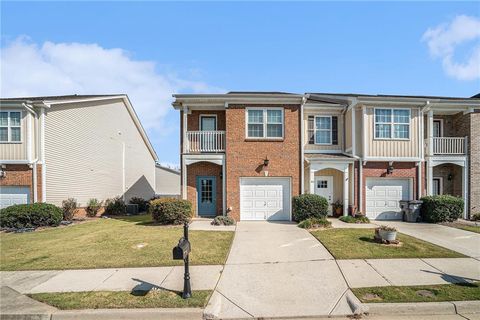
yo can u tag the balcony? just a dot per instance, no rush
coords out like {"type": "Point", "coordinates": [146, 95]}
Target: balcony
{"type": "Point", "coordinates": [447, 146]}
{"type": "Point", "coordinates": [205, 141]}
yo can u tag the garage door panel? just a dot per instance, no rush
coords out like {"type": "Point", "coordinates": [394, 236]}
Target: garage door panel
{"type": "Point", "coordinates": [383, 196]}
{"type": "Point", "coordinates": [264, 199]}
{"type": "Point", "coordinates": [10, 195]}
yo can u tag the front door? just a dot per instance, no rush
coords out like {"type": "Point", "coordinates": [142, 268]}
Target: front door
{"type": "Point", "coordinates": [324, 188]}
{"type": "Point", "coordinates": [207, 196]}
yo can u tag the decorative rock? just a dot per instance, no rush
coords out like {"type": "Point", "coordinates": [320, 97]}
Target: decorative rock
{"type": "Point", "coordinates": [425, 293]}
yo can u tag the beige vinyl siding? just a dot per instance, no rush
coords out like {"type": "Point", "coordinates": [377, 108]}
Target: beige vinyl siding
{"type": "Point", "coordinates": [390, 147]}
{"type": "Point", "coordinates": [337, 182]}
{"type": "Point", "coordinates": [326, 148]}
{"type": "Point", "coordinates": [84, 153]}
{"type": "Point", "coordinates": [359, 132]}
{"type": "Point", "coordinates": [348, 129]}
{"type": "Point", "coordinates": [17, 150]}
{"type": "Point", "coordinates": [167, 182]}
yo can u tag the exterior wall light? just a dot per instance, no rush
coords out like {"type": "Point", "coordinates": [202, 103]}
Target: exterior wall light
{"type": "Point", "coordinates": [266, 162]}
{"type": "Point", "coordinates": [450, 177]}
{"type": "Point", "coordinates": [390, 169]}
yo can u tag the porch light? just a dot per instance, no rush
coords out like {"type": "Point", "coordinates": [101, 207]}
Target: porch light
{"type": "Point", "coordinates": [390, 169]}
{"type": "Point", "coordinates": [265, 162]}
{"type": "Point", "coordinates": [450, 177]}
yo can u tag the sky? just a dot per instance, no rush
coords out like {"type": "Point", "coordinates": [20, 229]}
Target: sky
{"type": "Point", "coordinates": [151, 50]}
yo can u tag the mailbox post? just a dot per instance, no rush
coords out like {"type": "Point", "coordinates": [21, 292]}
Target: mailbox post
{"type": "Point", "coordinates": [181, 252]}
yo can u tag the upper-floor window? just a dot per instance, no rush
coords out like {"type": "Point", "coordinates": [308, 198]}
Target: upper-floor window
{"type": "Point", "coordinates": [10, 126]}
{"type": "Point", "coordinates": [265, 123]}
{"type": "Point", "coordinates": [323, 130]}
{"type": "Point", "coordinates": [392, 124]}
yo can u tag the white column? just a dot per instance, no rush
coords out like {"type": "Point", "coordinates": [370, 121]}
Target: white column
{"type": "Point", "coordinates": [184, 133]}
{"type": "Point", "coordinates": [345, 191]}
{"type": "Point", "coordinates": [184, 179]}
{"type": "Point", "coordinates": [429, 178]}
{"type": "Point", "coordinates": [465, 188]}
{"type": "Point", "coordinates": [430, 132]}
{"type": "Point", "coordinates": [224, 193]}
{"type": "Point", "coordinates": [360, 186]}
{"type": "Point", "coordinates": [419, 180]}
{"type": "Point", "coordinates": [312, 181]}
{"type": "Point", "coordinates": [42, 154]}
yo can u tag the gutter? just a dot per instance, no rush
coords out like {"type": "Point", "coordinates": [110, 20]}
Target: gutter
{"type": "Point", "coordinates": [302, 155]}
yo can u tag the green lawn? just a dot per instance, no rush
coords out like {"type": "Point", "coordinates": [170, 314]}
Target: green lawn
{"type": "Point", "coordinates": [475, 229]}
{"type": "Point", "coordinates": [122, 299]}
{"type": "Point", "coordinates": [432, 293]}
{"type": "Point", "coordinates": [359, 244]}
{"type": "Point", "coordinates": [109, 243]}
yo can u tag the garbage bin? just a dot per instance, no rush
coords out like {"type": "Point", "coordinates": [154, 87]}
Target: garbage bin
{"type": "Point", "coordinates": [412, 214]}
{"type": "Point", "coordinates": [404, 207]}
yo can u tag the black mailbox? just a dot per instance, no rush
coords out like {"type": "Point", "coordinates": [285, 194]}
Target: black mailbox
{"type": "Point", "coordinates": [181, 250]}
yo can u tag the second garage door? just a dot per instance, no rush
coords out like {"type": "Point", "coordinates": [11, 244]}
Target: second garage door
{"type": "Point", "coordinates": [383, 196]}
{"type": "Point", "coordinates": [10, 195]}
{"type": "Point", "coordinates": [265, 199]}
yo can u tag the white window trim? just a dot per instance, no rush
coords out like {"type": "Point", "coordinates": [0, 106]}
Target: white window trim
{"type": "Point", "coordinates": [392, 124]}
{"type": "Point", "coordinates": [264, 109]}
{"type": "Point", "coordinates": [9, 138]}
{"type": "Point", "coordinates": [207, 116]}
{"type": "Point", "coordinates": [441, 125]}
{"type": "Point", "coordinates": [315, 131]}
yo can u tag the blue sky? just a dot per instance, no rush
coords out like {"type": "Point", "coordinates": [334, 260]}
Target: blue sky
{"type": "Point", "coordinates": [372, 47]}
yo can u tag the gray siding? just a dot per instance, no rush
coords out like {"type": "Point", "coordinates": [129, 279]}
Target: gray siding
{"type": "Point", "coordinates": [167, 182]}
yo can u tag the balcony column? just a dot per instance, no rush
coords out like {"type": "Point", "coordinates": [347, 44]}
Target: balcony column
{"type": "Point", "coordinates": [465, 188]}
{"type": "Point", "coordinates": [184, 133]}
{"type": "Point", "coordinates": [345, 191]}
{"type": "Point", "coordinates": [430, 132]}
{"type": "Point", "coordinates": [312, 181]}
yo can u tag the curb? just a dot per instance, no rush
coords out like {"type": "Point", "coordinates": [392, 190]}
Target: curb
{"type": "Point", "coordinates": [112, 314]}
{"type": "Point", "coordinates": [424, 308]}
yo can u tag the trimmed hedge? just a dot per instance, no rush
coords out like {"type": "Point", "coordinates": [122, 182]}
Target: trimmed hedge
{"type": "Point", "coordinates": [357, 219]}
{"type": "Point", "coordinates": [30, 215]}
{"type": "Point", "coordinates": [309, 206]}
{"type": "Point", "coordinates": [115, 206]}
{"type": "Point", "coordinates": [441, 208]}
{"type": "Point", "coordinates": [170, 211]}
{"type": "Point", "coordinates": [223, 221]}
{"type": "Point", "coordinates": [314, 223]}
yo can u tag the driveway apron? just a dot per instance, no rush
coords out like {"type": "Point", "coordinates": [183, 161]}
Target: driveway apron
{"type": "Point", "coordinates": [278, 270]}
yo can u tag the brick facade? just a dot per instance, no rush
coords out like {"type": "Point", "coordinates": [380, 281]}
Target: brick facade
{"type": "Point", "coordinates": [193, 119]}
{"type": "Point", "coordinates": [244, 158]}
{"type": "Point", "coordinates": [204, 169]}
{"type": "Point", "coordinates": [21, 175]}
{"type": "Point", "coordinates": [379, 170]}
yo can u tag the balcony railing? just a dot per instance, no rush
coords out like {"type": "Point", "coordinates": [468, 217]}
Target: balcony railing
{"type": "Point", "coordinates": [447, 145]}
{"type": "Point", "coordinates": [205, 141]}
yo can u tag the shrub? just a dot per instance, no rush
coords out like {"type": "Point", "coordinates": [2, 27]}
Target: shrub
{"type": "Point", "coordinates": [357, 219]}
{"type": "Point", "coordinates": [142, 203]}
{"type": "Point", "coordinates": [223, 221]}
{"type": "Point", "coordinates": [475, 217]}
{"type": "Point", "coordinates": [30, 215]}
{"type": "Point", "coordinates": [387, 228]}
{"type": "Point", "coordinates": [171, 211]}
{"type": "Point", "coordinates": [115, 206]}
{"type": "Point", "coordinates": [312, 223]}
{"type": "Point", "coordinates": [309, 206]}
{"type": "Point", "coordinates": [93, 206]}
{"type": "Point", "coordinates": [69, 207]}
{"type": "Point", "coordinates": [441, 208]}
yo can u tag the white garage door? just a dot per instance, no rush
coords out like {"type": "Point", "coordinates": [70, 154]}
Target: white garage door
{"type": "Point", "coordinates": [13, 195]}
{"type": "Point", "coordinates": [265, 199]}
{"type": "Point", "coordinates": [383, 197]}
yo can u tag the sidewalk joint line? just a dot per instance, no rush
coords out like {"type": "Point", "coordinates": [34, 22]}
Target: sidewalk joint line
{"type": "Point", "coordinates": [379, 273]}
{"type": "Point", "coordinates": [459, 279]}
{"type": "Point", "coordinates": [170, 272]}
{"type": "Point", "coordinates": [338, 301]}
{"type": "Point", "coordinates": [251, 315]}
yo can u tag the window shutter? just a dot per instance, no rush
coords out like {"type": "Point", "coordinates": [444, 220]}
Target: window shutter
{"type": "Point", "coordinates": [311, 130]}
{"type": "Point", "coordinates": [335, 130]}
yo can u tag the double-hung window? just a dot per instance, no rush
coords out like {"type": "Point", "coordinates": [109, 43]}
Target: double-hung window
{"type": "Point", "coordinates": [10, 126]}
{"type": "Point", "coordinates": [265, 123]}
{"type": "Point", "coordinates": [392, 124]}
{"type": "Point", "coordinates": [323, 130]}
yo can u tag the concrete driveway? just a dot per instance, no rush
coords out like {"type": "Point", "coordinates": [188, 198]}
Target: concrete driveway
{"type": "Point", "coordinates": [465, 242]}
{"type": "Point", "coordinates": [279, 270]}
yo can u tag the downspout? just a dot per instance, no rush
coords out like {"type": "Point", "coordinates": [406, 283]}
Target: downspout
{"type": "Point", "coordinates": [34, 162]}
{"type": "Point", "coordinates": [42, 154]}
{"type": "Point", "coordinates": [359, 192]}
{"type": "Point", "coordinates": [302, 155]}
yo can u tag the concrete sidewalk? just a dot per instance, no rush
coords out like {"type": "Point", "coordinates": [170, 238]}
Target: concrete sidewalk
{"type": "Point", "coordinates": [124, 279]}
{"type": "Point", "coordinates": [465, 242]}
{"type": "Point", "coordinates": [408, 272]}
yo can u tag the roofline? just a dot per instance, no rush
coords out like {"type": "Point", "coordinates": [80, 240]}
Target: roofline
{"type": "Point", "coordinates": [167, 169]}
{"type": "Point", "coordinates": [45, 103]}
{"type": "Point", "coordinates": [222, 100]}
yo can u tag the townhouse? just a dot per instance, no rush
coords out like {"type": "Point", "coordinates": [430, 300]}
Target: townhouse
{"type": "Point", "coordinates": [247, 154]}
{"type": "Point", "coordinates": [77, 146]}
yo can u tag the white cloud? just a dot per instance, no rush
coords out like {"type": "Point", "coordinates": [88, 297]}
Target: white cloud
{"type": "Point", "coordinates": [443, 42]}
{"type": "Point", "coordinates": [29, 69]}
